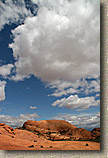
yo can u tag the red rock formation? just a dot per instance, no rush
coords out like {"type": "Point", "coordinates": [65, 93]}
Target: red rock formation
{"type": "Point", "coordinates": [96, 132]}
{"type": "Point", "coordinates": [22, 139]}
{"type": "Point", "coordinates": [2, 124]}
{"type": "Point", "coordinates": [80, 134]}
{"type": "Point", "coordinates": [11, 139]}
{"type": "Point", "coordinates": [5, 129]}
{"type": "Point", "coordinates": [58, 130]}
{"type": "Point", "coordinates": [52, 125]}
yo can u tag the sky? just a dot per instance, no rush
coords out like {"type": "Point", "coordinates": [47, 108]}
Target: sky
{"type": "Point", "coordinates": [50, 61]}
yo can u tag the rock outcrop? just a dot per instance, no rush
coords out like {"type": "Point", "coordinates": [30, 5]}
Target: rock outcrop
{"type": "Point", "coordinates": [5, 129]}
{"type": "Point", "coordinates": [57, 130]}
{"type": "Point", "coordinates": [46, 135]}
{"type": "Point", "coordinates": [96, 132]}
{"type": "Point", "coordinates": [12, 139]}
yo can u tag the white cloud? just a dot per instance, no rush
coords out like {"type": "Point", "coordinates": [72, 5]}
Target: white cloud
{"type": "Point", "coordinates": [97, 95]}
{"type": "Point", "coordinates": [18, 77]}
{"type": "Point", "coordinates": [87, 121]}
{"type": "Point", "coordinates": [5, 70]}
{"type": "Point", "coordinates": [60, 84]}
{"type": "Point", "coordinates": [60, 43]}
{"type": "Point", "coordinates": [33, 107]}
{"type": "Point", "coordinates": [58, 93]}
{"type": "Point", "coordinates": [29, 116]}
{"type": "Point", "coordinates": [12, 12]}
{"type": "Point", "coordinates": [73, 101]}
{"type": "Point", "coordinates": [80, 86]}
{"type": "Point", "coordinates": [96, 85]}
{"type": "Point", "coordinates": [60, 46]}
{"type": "Point", "coordinates": [2, 90]}
{"type": "Point", "coordinates": [17, 121]}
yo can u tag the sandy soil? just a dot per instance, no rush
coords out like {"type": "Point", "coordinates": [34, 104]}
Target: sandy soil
{"type": "Point", "coordinates": [14, 143]}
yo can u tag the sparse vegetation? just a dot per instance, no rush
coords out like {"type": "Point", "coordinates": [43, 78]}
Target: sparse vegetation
{"type": "Point", "coordinates": [86, 140]}
{"type": "Point", "coordinates": [35, 141]}
{"type": "Point", "coordinates": [86, 144]}
{"type": "Point", "coordinates": [13, 133]}
{"type": "Point", "coordinates": [31, 146]}
{"type": "Point", "coordinates": [96, 140]}
{"type": "Point", "coordinates": [48, 133]}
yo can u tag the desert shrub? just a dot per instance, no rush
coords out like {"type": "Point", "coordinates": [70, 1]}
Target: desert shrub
{"type": "Point", "coordinates": [31, 146]}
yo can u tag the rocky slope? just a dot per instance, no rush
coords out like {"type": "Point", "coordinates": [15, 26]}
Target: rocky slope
{"type": "Point", "coordinates": [18, 139]}
{"type": "Point", "coordinates": [96, 132]}
{"type": "Point", "coordinates": [38, 135]}
{"type": "Point", "coordinates": [57, 130]}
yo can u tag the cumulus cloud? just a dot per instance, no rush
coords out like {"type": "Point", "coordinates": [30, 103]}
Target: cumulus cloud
{"type": "Point", "coordinates": [87, 121]}
{"type": "Point", "coordinates": [5, 70]}
{"type": "Point", "coordinates": [80, 86]}
{"type": "Point", "coordinates": [33, 107]}
{"type": "Point", "coordinates": [2, 90]}
{"type": "Point", "coordinates": [12, 11]}
{"type": "Point", "coordinates": [17, 121]}
{"type": "Point", "coordinates": [60, 43]}
{"type": "Point", "coordinates": [18, 77]}
{"type": "Point", "coordinates": [58, 93]}
{"type": "Point", "coordinates": [73, 101]}
{"type": "Point", "coordinates": [95, 86]}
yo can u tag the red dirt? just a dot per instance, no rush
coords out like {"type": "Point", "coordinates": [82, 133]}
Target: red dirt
{"type": "Point", "coordinates": [9, 143]}
{"type": "Point", "coordinates": [18, 139]}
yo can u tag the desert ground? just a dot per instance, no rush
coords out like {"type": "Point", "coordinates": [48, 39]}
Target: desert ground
{"type": "Point", "coordinates": [8, 143]}
{"type": "Point", "coordinates": [47, 135]}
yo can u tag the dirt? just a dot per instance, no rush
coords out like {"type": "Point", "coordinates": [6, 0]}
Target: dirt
{"type": "Point", "coordinates": [15, 143]}
{"type": "Point", "coordinates": [22, 139]}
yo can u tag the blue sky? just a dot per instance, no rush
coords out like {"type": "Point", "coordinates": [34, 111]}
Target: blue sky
{"type": "Point", "coordinates": [50, 61]}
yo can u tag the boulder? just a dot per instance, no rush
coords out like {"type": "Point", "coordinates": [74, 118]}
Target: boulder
{"type": "Point", "coordinates": [2, 124]}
